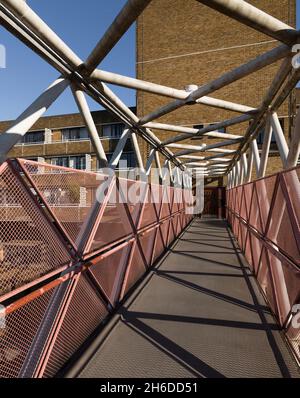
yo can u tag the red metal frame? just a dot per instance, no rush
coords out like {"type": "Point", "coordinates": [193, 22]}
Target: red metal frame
{"type": "Point", "coordinates": [85, 269]}
{"type": "Point", "coordinates": [276, 268]}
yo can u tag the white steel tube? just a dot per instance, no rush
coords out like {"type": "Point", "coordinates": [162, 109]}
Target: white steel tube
{"type": "Point", "coordinates": [265, 149]}
{"type": "Point", "coordinates": [137, 151]}
{"type": "Point", "coordinates": [255, 153]}
{"type": "Point", "coordinates": [190, 132]}
{"type": "Point", "coordinates": [224, 124]}
{"type": "Point", "coordinates": [294, 147]}
{"type": "Point", "coordinates": [241, 71]}
{"type": "Point", "coordinates": [31, 115]}
{"type": "Point", "coordinates": [93, 133]}
{"type": "Point", "coordinates": [280, 139]}
{"type": "Point", "coordinates": [142, 85]}
{"type": "Point", "coordinates": [252, 16]}
{"type": "Point", "coordinates": [125, 18]}
{"type": "Point", "coordinates": [119, 149]}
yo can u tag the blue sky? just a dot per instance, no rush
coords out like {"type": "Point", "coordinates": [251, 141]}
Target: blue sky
{"type": "Point", "coordinates": [26, 75]}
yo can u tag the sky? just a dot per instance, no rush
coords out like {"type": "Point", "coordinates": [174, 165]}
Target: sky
{"type": "Point", "coordinates": [26, 75]}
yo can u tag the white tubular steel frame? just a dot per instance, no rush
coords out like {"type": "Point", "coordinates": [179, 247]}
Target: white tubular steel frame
{"type": "Point", "coordinates": [85, 79]}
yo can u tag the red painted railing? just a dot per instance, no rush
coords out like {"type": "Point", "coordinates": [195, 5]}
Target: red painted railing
{"type": "Point", "coordinates": [66, 260]}
{"type": "Point", "coordinates": [265, 218]}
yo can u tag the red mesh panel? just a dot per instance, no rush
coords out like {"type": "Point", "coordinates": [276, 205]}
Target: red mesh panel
{"type": "Point", "coordinates": [255, 217]}
{"type": "Point", "coordinates": [17, 337]}
{"type": "Point", "coordinates": [178, 225]}
{"type": "Point", "coordinates": [265, 280]}
{"type": "Point", "coordinates": [183, 221]}
{"type": "Point", "coordinates": [69, 193]}
{"type": "Point", "coordinates": [248, 190]}
{"type": "Point", "coordinates": [150, 214]}
{"type": "Point", "coordinates": [172, 204]}
{"type": "Point", "coordinates": [109, 272]}
{"type": "Point", "coordinates": [165, 232]}
{"type": "Point", "coordinates": [172, 230]}
{"type": "Point", "coordinates": [275, 203]}
{"type": "Point", "coordinates": [248, 249]}
{"type": "Point", "coordinates": [293, 334]}
{"type": "Point", "coordinates": [239, 233]}
{"type": "Point", "coordinates": [165, 211]}
{"type": "Point", "coordinates": [265, 190]}
{"type": "Point", "coordinates": [292, 184]}
{"type": "Point", "coordinates": [243, 212]}
{"type": "Point", "coordinates": [147, 243]}
{"type": "Point", "coordinates": [280, 230]}
{"type": "Point", "coordinates": [114, 225]}
{"type": "Point", "coordinates": [84, 314]}
{"type": "Point", "coordinates": [238, 193]}
{"type": "Point", "coordinates": [177, 204]}
{"type": "Point", "coordinates": [135, 270]}
{"type": "Point", "coordinates": [233, 199]}
{"type": "Point", "coordinates": [242, 234]}
{"type": "Point", "coordinates": [159, 245]}
{"type": "Point", "coordinates": [256, 248]}
{"type": "Point", "coordinates": [187, 198]}
{"type": "Point", "coordinates": [156, 198]}
{"type": "Point", "coordinates": [134, 193]}
{"type": "Point", "coordinates": [29, 247]}
{"type": "Point", "coordinates": [228, 216]}
{"type": "Point", "coordinates": [286, 278]}
{"type": "Point", "coordinates": [236, 226]}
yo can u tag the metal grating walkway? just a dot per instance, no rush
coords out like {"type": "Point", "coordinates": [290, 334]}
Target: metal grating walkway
{"type": "Point", "coordinates": [198, 314]}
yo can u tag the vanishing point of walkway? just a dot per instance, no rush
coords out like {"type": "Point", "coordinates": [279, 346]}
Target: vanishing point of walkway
{"type": "Point", "coordinates": [199, 313]}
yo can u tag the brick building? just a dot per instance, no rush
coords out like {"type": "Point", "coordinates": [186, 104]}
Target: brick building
{"type": "Point", "coordinates": [182, 42]}
{"type": "Point", "coordinates": [63, 140]}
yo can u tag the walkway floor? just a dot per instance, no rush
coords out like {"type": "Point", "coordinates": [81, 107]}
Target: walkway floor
{"type": "Point", "coordinates": [198, 314]}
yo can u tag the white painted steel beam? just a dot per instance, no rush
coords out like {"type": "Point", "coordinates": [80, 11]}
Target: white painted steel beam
{"type": "Point", "coordinates": [119, 148]}
{"type": "Point", "coordinates": [238, 73]}
{"type": "Point", "coordinates": [280, 139]}
{"type": "Point", "coordinates": [30, 116]}
{"type": "Point", "coordinates": [252, 16]}
{"type": "Point", "coordinates": [265, 148]}
{"type": "Point", "coordinates": [294, 148]}
{"type": "Point", "coordinates": [123, 21]}
{"type": "Point", "coordinates": [91, 127]}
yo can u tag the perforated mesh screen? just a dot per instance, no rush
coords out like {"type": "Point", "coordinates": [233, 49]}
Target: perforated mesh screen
{"type": "Point", "coordinates": [29, 246]}
{"type": "Point", "coordinates": [271, 238]}
{"type": "Point", "coordinates": [50, 219]}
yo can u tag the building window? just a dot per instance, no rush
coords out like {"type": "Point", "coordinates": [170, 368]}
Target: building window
{"type": "Point", "coordinates": [113, 130]}
{"type": "Point", "coordinates": [34, 137]}
{"type": "Point", "coordinates": [261, 135]}
{"type": "Point", "coordinates": [78, 162]}
{"type": "Point", "coordinates": [60, 161]}
{"type": "Point", "coordinates": [75, 134]}
{"type": "Point", "coordinates": [75, 162]}
{"type": "Point", "coordinates": [129, 157]}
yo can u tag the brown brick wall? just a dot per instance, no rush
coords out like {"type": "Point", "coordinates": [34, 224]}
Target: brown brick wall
{"type": "Point", "coordinates": [182, 42]}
